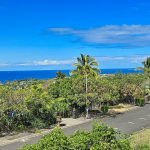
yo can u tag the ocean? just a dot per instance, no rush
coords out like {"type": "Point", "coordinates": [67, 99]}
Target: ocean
{"type": "Point", "coordinates": [48, 74]}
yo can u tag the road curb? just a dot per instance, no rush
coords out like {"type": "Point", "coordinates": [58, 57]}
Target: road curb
{"type": "Point", "coordinates": [25, 138]}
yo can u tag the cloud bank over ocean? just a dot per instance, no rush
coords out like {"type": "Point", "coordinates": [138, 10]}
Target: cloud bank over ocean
{"type": "Point", "coordinates": [130, 59]}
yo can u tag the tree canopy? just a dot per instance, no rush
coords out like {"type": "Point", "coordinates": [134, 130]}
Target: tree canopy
{"type": "Point", "coordinates": [60, 75]}
{"type": "Point", "coordinates": [85, 65]}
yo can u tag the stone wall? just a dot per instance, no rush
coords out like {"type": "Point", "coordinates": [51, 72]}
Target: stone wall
{"type": "Point", "coordinates": [95, 107]}
{"type": "Point", "coordinates": [147, 98]}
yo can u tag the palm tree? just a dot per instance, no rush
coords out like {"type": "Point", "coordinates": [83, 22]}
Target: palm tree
{"type": "Point", "coordinates": [146, 68]}
{"type": "Point", "coordinates": [60, 75]}
{"type": "Point", "coordinates": [85, 66]}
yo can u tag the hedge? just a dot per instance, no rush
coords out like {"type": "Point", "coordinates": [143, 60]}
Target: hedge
{"type": "Point", "coordinates": [101, 137]}
{"type": "Point", "coordinates": [140, 101]}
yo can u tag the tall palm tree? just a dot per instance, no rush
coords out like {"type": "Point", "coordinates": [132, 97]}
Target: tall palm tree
{"type": "Point", "coordinates": [146, 65]}
{"type": "Point", "coordinates": [85, 66]}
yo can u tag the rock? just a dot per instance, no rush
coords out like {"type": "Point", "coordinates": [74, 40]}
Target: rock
{"type": "Point", "coordinates": [111, 111]}
{"type": "Point", "coordinates": [147, 98]}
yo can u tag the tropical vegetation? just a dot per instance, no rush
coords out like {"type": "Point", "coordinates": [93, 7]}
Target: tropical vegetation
{"type": "Point", "coordinates": [60, 75]}
{"type": "Point", "coordinates": [32, 103]}
{"type": "Point", "coordinates": [29, 104]}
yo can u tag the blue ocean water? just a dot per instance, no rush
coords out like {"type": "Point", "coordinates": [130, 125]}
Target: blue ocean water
{"type": "Point", "coordinates": [48, 74]}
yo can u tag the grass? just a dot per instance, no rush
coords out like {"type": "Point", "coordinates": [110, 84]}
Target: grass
{"type": "Point", "coordinates": [141, 139]}
{"type": "Point", "coordinates": [37, 131]}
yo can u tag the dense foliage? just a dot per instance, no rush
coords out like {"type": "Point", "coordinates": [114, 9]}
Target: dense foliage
{"type": "Point", "coordinates": [100, 138]}
{"type": "Point", "coordinates": [32, 103]}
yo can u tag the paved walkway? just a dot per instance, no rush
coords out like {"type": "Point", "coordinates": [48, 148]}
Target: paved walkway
{"type": "Point", "coordinates": [128, 123]}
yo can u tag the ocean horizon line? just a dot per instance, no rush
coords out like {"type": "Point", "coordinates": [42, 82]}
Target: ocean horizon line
{"type": "Point", "coordinates": [49, 74]}
{"type": "Point", "coordinates": [63, 69]}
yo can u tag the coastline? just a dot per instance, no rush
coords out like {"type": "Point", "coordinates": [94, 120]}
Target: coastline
{"type": "Point", "coordinates": [49, 74]}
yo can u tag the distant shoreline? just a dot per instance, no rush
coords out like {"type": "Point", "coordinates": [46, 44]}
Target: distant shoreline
{"type": "Point", "coordinates": [49, 74]}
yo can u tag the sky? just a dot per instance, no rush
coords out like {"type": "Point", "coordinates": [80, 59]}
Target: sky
{"type": "Point", "coordinates": [51, 34]}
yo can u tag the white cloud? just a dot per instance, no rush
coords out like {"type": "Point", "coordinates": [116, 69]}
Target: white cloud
{"type": "Point", "coordinates": [47, 62]}
{"type": "Point", "coordinates": [130, 59]}
{"type": "Point", "coordinates": [3, 64]}
{"type": "Point", "coordinates": [125, 35]}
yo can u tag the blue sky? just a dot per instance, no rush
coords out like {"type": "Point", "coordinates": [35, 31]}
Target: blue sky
{"type": "Point", "coordinates": [50, 34]}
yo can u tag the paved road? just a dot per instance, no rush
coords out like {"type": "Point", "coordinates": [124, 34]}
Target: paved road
{"type": "Point", "coordinates": [128, 123]}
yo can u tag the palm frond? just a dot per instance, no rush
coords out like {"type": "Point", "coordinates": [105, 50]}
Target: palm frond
{"type": "Point", "coordinates": [144, 64]}
{"type": "Point", "coordinates": [96, 70]}
{"type": "Point", "coordinates": [58, 74]}
{"type": "Point", "coordinates": [90, 70]}
{"type": "Point", "coordinates": [84, 65]}
{"type": "Point", "coordinates": [79, 60]}
{"type": "Point", "coordinates": [72, 72]}
{"type": "Point", "coordinates": [83, 59]}
{"type": "Point", "coordinates": [76, 64]}
{"type": "Point", "coordinates": [146, 67]}
{"type": "Point", "coordinates": [63, 75]}
{"type": "Point", "coordinates": [94, 63]}
{"type": "Point", "coordinates": [148, 62]}
{"type": "Point", "coordinates": [89, 59]}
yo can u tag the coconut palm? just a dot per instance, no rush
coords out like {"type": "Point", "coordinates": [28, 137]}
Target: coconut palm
{"type": "Point", "coordinates": [85, 66]}
{"type": "Point", "coordinates": [146, 65]}
{"type": "Point", "coordinates": [60, 75]}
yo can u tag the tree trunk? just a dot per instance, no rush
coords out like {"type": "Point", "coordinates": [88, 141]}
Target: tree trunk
{"type": "Point", "coordinates": [100, 105]}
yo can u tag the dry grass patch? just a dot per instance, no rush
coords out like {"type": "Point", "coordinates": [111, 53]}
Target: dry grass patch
{"type": "Point", "coordinates": [120, 109]}
{"type": "Point", "coordinates": [142, 138]}
{"type": "Point", "coordinates": [124, 107]}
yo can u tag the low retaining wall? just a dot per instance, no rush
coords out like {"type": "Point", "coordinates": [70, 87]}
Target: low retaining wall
{"type": "Point", "coordinates": [147, 98]}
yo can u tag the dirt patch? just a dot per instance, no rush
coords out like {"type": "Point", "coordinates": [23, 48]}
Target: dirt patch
{"type": "Point", "coordinates": [121, 109]}
{"type": "Point", "coordinates": [125, 108]}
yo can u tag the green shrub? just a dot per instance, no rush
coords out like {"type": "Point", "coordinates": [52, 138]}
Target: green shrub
{"type": "Point", "coordinates": [104, 109]}
{"type": "Point", "coordinates": [140, 101]}
{"type": "Point", "coordinates": [121, 105]}
{"type": "Point", "coordinates": [100, 138]}
{"type": "Point", "coordinates": [79, 140]}
{"type": "Point", "coordinates": [124, 136]}
{"type": "Point", "coordinates": [53, 141]}
{"type": "Point", "coordinates": [37, 131]}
